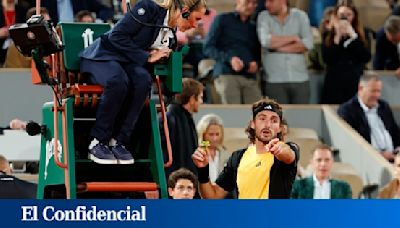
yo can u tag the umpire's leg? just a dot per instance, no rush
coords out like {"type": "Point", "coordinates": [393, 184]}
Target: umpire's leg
{"type": "Point", "coordinates": [140, 85]}
{"type": "Point", "coordinates": [114, 80]}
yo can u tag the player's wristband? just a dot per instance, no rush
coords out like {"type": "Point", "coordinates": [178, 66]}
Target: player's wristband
{"type": "Point", "coordinates": [203, 174]}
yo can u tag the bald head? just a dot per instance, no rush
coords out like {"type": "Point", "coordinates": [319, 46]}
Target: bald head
{"type": "Point", "coordinates": [4, 166]}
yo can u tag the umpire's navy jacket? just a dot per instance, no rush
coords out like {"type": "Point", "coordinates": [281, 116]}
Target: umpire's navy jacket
{"type": "Point", "coordinates": [129, 41]}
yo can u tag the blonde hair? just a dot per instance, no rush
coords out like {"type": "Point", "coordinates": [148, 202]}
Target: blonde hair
{"type": "Point", "coordinates": [173, 4]}
{"type": "Point", "coordinates": [205, 122]}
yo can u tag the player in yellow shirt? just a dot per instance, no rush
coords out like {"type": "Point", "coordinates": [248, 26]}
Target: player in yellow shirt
{"type": "Point", "coordinates": [264, 170]}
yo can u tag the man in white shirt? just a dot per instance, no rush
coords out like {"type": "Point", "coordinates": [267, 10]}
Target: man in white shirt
{"type": "Point", "coordinates": [372, 117]}
{"type": "Point", "coordinates": [320, 185]}
{"type": "Point", "coordinates": [285, 35]}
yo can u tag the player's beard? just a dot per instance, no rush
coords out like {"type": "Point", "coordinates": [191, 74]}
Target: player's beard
{"type": "Point", "coordinates": [265, 135]}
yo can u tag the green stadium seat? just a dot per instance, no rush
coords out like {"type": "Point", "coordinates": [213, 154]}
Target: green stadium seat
{"type": "Point", "coordinates": [76, 37]}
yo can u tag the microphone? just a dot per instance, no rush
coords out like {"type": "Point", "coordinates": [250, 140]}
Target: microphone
{"type": "Point", "coordinates": [33, 128]}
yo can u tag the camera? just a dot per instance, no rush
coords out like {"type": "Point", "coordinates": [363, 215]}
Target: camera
{"type": "Point", "coordinates": [36, 33]}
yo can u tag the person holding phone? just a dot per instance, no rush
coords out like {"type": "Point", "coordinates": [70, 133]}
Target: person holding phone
{"type": "Point", "coordinates": [345, 52]}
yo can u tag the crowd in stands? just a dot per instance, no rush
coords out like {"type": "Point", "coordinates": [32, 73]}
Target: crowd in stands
{"type": "Point", "coordinates": [260, 49]}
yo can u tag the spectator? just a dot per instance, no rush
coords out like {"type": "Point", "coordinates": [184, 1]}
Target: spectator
{"type": "Point", "coordinates": [387, 46]}
{"type": "Point", "coordinates": [264, 170]}
{"type": "Point", "coordinates": [285, 35]}
{"type": "Point", "coordinates": [372, 117]}
{"type": "Point", "coordinates": [210, 129]}
{"type": "Point", "coordinates": [182, 184]}
{"type": "Point", "coordinates": [182, 130]}
{"type": "Point", "coordinates": [392, 189]}
{"type": "Point", "coordinates": [345, 52]}
{"type": "Point", "coordinates": [11, 187]}
{"type": "Point", "coordinates": [14, 59]}
{"type": "Point", "coordinates": [10, 13]}
{"type": "Point", "coordinates": [84, 16]}
{"type": "Point", "coordinates": [320, 185]}
{"type": "Point", "coordinates": [232, 43]}
{"type": "Point", "coordinates": [64, 10]}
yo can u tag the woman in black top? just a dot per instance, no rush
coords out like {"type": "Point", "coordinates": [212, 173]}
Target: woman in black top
{"type": "Point", "coordinates": [345, 52]}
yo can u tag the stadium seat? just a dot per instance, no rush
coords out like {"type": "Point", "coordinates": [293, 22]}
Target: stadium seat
{"type": "Point", "coordinates": [235, 139]}
{"type": "Point", "coordinates": [307, 145]}
{"type": "Point", "coordinates": [346, 172]}
{"type": "Point", "coordinates": [80, 35]}
{"type": "Point", "coordinates": [301, 133]}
